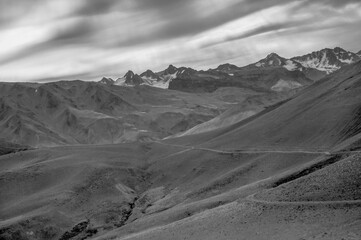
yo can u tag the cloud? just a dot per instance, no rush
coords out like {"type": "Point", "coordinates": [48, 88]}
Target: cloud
{"type": "Point", "coordinates": [199, 29]}
{"type": "Point", "coordinates": [95, 7]}
{"type": "Point", "coordinates": [253, 32]}
{"type": "Point", "coordinates": [332, 3]}
{"type": "Point", "coordinates": [11, 10]}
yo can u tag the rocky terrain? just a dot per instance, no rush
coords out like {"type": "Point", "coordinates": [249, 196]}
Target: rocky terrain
{"type": "Point", "coordinates": [77, 112]}
{"type": "Point", "coordinates": [259, 152]}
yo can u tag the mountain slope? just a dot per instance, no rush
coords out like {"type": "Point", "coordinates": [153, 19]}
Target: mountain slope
{"type": "Point", "coordinates": [77, 112]}
{"type": "Point", "coordinates": [323, 115]}
{"type": "Point", "coordinates": [294, 143]}
{"type": "Point", "coordinates": [6, 147]}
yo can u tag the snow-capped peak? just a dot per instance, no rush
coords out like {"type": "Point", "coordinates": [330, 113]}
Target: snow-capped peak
{"type": "Point", "coordinates": [150, 78]}
{"type": "Point", "coordinates": [274, 60]}
{"type": "Point", "coordinates": [129, 79]}
{"type": "Point", "coordinates": [327, 60]}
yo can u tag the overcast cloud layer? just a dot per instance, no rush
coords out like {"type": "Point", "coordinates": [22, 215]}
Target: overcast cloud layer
{"type": "Point", "coordinates": [44, 40]}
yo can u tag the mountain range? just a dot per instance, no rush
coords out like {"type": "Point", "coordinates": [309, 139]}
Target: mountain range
{"type": "Point", "coordinates": [145, 106]}
{"type": "Point", "coordinates": [266, 151]}
{"type": "Point", "coordinates": [313, 66]}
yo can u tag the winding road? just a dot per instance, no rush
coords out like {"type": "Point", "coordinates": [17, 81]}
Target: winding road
{"type": "Point", "coordinates": [252, 198]}
{"type": "Point", "coordinates": [188, 148]}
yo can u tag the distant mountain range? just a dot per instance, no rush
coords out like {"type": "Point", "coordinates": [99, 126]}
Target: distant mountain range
{"type": "Point", "coordinates": [308, 68]}
{"type": "Point", "coordinates": [141, 107]}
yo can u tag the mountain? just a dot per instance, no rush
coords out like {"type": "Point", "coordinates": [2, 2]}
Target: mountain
{"type": "Point", "coordinates": [169, 71]}
{"type": "Point", "coordinates": [293, 166]}
{"type": "Point", "coordinates": [150, 77]}
{"type": "Point", "coordinates": [107, 81]}
{"type": "Point", "coordinates": [265, 79]}
{"type": "Point", "coordinates": [327, 60]}
{"type": "Point", "coordinates": [323, 115]}
{"type": "Point", "coordinates": [77, 112]}
{"type": "Point", "coordinates": [359, 53]}
{"type": "Point", "coordinates": [313, 66]}
{"type": "Point", "coordinates": [274, 60]}
{"type": "Point", "coordinates": [159, 79]}
{"type": "Point", "coordinates": [227, 75]}
{"type": "Point", "coordinates": [227, 67]}
{"type": "Point", "coordinates": [129, 79]}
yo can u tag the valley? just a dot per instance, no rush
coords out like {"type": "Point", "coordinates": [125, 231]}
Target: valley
{"type": "Point", "coordinates": [265, 151]}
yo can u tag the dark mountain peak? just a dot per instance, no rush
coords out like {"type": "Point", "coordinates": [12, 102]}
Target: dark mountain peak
{"type": "Point", "coordinates": [272, 55]}
{"type": "Point", "coordinates": [135, 80]}
{"type": "Point", "coordinates": [339, 50]}
{"type": "Point", "coordinates": [131, 79]}
{"type": "Point", "coordinates": [148, 72]}
{"type": "Point", "coordinates": [227, 67]}
{"type": "Point", "coordinates": [325, 50]}
{"type": "Point", "coordinates": [171, 68]}
{"type": "Point", "coordinates": [129, 74]}
{"type": "Point", "coordinates": [278, 60]}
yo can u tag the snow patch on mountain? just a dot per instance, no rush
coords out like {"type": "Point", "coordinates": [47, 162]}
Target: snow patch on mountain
{"type": "Point", "coordinates": [167, 79]}
{"type": "Point", "coordinates": [347, 61]}
{"type": "Point", "coordinates": [120, 81]}
{"type": "Point", "coordinates": [290, 65]}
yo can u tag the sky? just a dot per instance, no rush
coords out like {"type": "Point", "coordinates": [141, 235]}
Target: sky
{"type": "Point", "coordinates": [48, 40]}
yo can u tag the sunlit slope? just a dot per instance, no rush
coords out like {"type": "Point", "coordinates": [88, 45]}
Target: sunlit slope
{"type": "Point", "coordinates": [322, 116]}
{"type": "Point", "coordinates": [317, 118]}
